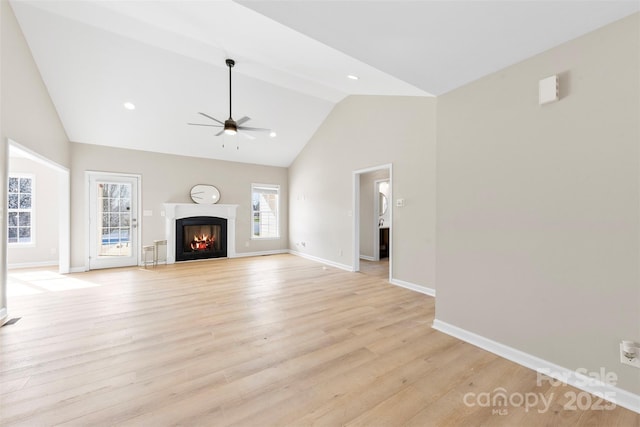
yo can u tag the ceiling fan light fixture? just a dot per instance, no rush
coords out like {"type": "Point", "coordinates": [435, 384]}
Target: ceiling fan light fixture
{"type": "Point", "coordinates": [230, 127]}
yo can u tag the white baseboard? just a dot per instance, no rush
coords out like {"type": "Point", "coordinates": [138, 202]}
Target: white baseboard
{"type": "Point", "coordinates": [260, 253]}
{"type": "Point", "coordinates": [32, 264]}
{"type": "Point", "coordinates": [367, 258]}
{"type": "Point", "coordinates": [78, 269]}
{"type": "Point", "coordinates": [397, 282]}
{"type": "Point", "coordinates": [414, 287]}
{"type": "Point", "coordinates": [321, 260]}
{"type": "Point", "coordinates": [576, 379]}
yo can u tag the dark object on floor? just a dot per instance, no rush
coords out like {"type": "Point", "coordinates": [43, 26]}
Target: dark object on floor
{"type": "Point", "coordinates": [12, 321]}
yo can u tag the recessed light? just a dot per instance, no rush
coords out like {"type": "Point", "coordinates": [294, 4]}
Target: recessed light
{"type": "Point", "coordinates": [272, 134]}
{"type": "Point", "coordinates": [352, 77]}
{"type": "Point", "coordinates": [129, 106]}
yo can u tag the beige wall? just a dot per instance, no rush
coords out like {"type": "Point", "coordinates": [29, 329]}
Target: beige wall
{"type": "Point", "coordinates": [359, 133]}
{"type": "Point", "coordinates": [369, 223]}
{"type": "Point", "coordinates": [538, 206]}
{"type": "Point", "coordinates": [46, 201]}
{"type": "Point", "coordinates": [168, 178]}
{"type": "Point", "coordinates": [27, 114]}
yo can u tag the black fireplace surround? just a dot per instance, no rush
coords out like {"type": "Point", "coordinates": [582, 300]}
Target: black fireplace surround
{"type": "Point", "coordinates": [201, 237]}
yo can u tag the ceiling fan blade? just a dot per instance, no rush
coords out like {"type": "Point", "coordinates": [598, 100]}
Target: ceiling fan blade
{"type": "Point", "coordinates": [220, 133]}
{"type": "Point", "coordinates": [246, 135]}
{"type": "Point", "coordinates": [242, 120]}
{"type": "Point", "coordinates": [201, 124]}
{"type": "Point", "coordinates": [253, 129]}
{"type": "Point", "coordinates": [212, 118]}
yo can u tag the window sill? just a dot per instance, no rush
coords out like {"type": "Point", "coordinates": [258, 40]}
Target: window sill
{"type": "Point", "coordinates": [21, 245]}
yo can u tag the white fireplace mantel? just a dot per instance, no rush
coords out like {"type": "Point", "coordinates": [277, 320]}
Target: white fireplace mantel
{"type": "Point", "coordinates": [174, 211]}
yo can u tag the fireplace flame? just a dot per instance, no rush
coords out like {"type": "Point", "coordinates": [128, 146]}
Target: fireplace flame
{"type": "Point", "coordinates": [202, 242]}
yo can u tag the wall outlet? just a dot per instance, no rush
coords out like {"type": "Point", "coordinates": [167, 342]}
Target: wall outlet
{"type": "Point", "coordinates": [339, 252]}
{"type": "Point", "coordinates": [635, 362]}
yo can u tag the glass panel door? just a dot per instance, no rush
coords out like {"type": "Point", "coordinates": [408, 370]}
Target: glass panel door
{"type": "Point", "coordinates": [113, 221]}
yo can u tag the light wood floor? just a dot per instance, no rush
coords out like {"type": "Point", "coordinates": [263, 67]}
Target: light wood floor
{"type": "Point", "coordinates": [275, 340]}
{"type": "Point", "coordinates": [379, 269]}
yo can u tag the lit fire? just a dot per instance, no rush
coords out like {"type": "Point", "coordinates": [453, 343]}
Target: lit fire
{"type": "Point", "coordinates": [202, 242]}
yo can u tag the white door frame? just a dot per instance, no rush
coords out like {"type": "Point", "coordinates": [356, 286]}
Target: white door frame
{"type": "Point", "coordinates": [138, 233]}
{"type": "Point", "coordinates": [376, 217]}
{"type": "Point", "coordinates": [64, 205]}
{"type": "Point", "coordinates": [356, 215]}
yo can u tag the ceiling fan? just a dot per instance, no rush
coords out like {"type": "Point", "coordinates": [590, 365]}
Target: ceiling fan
{"type": "Point", "coordinates": [230, 126]}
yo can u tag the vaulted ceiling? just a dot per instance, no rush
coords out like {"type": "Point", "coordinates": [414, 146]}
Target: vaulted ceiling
{"type": "Point", "coordinates": [292, 61]}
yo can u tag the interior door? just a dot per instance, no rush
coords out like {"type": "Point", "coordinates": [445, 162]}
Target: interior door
{"type": "Point", "coordinates": [113, 221]}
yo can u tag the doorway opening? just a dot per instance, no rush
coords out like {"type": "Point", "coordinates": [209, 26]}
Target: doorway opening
{"type": "Point", "coordinates": [39, 214]}
{"type": "Point", "coordinates": [372, 221]}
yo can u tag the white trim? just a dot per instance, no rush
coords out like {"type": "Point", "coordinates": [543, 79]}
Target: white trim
{"type": "Point", "coordinates": [78, 269]}
{"type": "Point", "coordinates": [368, 258]}
{"type": "Point", "coordinates": [32, 264]}
{"type": "Point", "coordinates": [412, 286]}
{"type": "Point", "coordinates": [355, 223]}
{"type": "Point", "coordinates": [580, 381]}
{"type": "Point", "coordinates": [376, 217]}
{"type": "Point", "coordinates": [376, 221]}
{"type": "Point", "coordinates": [4, 178]}
{"type": "Point", "coordinates": [20, 245]}
{"type": "Point", "coordinates": [64, 222]}
{"type": "Point", "coordinates": [278, 213]}
{"type": "Point", "coordinates": [321, 260]}
{"type": "Point", "coordinates": [260, 253]}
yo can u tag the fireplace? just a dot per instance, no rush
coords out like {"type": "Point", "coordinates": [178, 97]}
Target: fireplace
{"type": "Point", "coordinates": [201, 237]}
{"type": "Point", "coordinates": [177, 211]}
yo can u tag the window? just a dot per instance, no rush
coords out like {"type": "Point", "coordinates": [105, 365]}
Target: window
{"type": "Point", "coordinates": [20, 210]}
{"type": "Point", "coordinates": [264, 211]}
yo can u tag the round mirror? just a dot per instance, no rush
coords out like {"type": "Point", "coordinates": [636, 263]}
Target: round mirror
{"type": "Point", "coordinates": [383, 204]}
{"type": "Point", "coordinates": [205, 194]}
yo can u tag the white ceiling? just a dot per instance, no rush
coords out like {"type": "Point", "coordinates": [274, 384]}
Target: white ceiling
{"type": "Point", "coordinates": [292, 59]}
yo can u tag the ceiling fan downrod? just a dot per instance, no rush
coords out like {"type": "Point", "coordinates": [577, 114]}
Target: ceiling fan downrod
{"type": "Point", "coordinates": [230, 127]}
